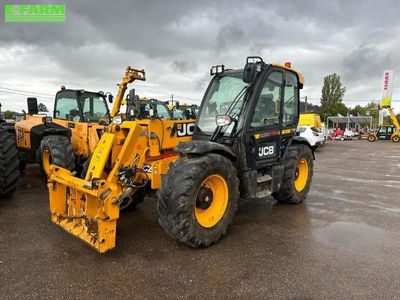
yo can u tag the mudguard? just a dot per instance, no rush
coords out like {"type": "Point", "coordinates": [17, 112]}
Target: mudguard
{"type": "Point", "coordinates": [202, 147]}
{"type": "Point", "coordinates": [301, 140]}
{"type": "Point", "coordinates": [39, 131]}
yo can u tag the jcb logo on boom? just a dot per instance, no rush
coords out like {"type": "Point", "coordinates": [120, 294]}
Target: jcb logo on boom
{"type": "Point", "coordinates": [185, 129]}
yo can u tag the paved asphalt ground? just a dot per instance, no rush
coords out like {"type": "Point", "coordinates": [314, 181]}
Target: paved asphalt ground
{"type": "Point", "coordinates": [343, 243]}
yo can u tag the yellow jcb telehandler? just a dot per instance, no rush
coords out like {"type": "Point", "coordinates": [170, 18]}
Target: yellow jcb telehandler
{"type": "Point", "coordinates": [200, 169]}
{"type": "Point", "coordinates": [387, 132]}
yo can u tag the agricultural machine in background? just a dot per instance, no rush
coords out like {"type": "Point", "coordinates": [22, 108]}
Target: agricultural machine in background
{"type": "Point", "coordinates": [243, 143]}
{"type": "Point", "coordinates": [67, 139]}
{"type": "Point", "coordinates": [387, 132]}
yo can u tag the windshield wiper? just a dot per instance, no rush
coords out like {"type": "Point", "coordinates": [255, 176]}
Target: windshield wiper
{"type": "Point", "coordinates": [231, 107]}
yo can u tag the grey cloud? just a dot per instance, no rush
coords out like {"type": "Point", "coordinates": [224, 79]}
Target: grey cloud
{"type": "Point", "coordinates": [183, 67]}
{"type": "Point", "coordinates": [176, 42]}
{"type": "Point", "coordinates": [365, 61]}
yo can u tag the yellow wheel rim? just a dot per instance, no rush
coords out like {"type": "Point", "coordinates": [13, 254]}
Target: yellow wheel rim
{"type": "Point", "coordinates": [46, 161]}
{"type": "Point", "coordinates": [211, 201]}
{"type": "Point", "coordinates": [301, 174]}
{"type": "Point", "coordinates": [371, 138]}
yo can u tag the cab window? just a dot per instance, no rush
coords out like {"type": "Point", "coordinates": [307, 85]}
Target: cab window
{"type": "Point", "coordinates": [291, 100]}
{"type": "Point", "coordinates": [268, 104]}
{"type": "Point", "coordinates": [183, 113]}
{"type": "Point", "coordinates": [66, 107]}
{"type": "Point", "coordinates": [162, 111]}
{"type": "Point", "coordinates": [94, 109]}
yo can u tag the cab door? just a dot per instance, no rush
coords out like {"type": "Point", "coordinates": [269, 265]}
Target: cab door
{"type": "Point", "coordinates": [273, 119]}
{"type": "Point", "coordinates": [389, 132]}
{"type": "Point", "coordinates": [68, 113]}
{"type": "Point", "coordinates": [264, 122]}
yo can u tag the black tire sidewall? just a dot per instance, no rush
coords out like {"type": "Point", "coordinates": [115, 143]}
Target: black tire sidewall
{"type": "Point", "coordinates": [177, 198]}
{"type": "Point", "coordinates": [64, 158]}
{"type": "Point", "coordinates": [288, 192]}
{"type": "Point", "coordinates": [230, 210]}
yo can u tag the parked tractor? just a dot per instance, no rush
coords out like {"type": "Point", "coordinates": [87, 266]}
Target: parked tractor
{"type": "Point", "coordinates": [241, 145]}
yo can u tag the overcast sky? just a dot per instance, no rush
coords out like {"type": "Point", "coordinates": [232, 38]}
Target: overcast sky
{"type": "Point", "coordinates": [176, 42]}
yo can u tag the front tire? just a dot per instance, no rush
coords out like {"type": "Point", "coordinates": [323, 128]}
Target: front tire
{"type": "Point", "coordinates": [297, 175]}
{"type": "Point", "coordinates": [371, 138]}
{"type": "Point", "coordinates": [57, 150]}
{"type": "Point", "coordinates": [395, 139]}
{"type": "Point", "coordinates": [131, 202]}
{"type": "Point", "coordinates": [9, 164]}
{"type": "Point", "coordinates": [198, 199]}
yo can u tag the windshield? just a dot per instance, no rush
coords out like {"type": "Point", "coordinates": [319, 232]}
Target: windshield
{"type": "Point", "coordinates": [163, 111]}
{"type": "Point", "coordinates": [94, 108]}
{"type": "Point", "coordinates": [183, 113]}
{"type": "Point", "coordinates": [219, 97]}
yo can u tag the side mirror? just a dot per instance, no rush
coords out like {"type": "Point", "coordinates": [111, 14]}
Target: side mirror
{"type": "Point", "coordinates": [133, 105]}
{"type": "Point", "coordinates": [249, 72]}
{"type": "Point", "coordinates": [254, 64]}
{"type": "Point", "coordinates": [110, 98]}
{"type": "Point", "coordinates": [32, 106]}
{"type": "Point", "coordinates": [153, 108]}
{"type": "Point", "coordinates": [135, 101]}
{"type": "Point", "coordinates": [131, 94]}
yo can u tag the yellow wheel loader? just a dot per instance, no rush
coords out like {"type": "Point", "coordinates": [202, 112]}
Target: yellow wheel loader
{"type": "Point", "coordinates": [199, 169]}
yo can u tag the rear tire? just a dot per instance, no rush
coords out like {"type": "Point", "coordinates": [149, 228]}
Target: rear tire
{"type": "Point", "coordinates": [57, 150]}
{"type": "Point", "coordinates": [198, 199]}
{"type": "Point", "coordinates": [9, 164]}
{"type": "Point", "coordinates": [297, 175]}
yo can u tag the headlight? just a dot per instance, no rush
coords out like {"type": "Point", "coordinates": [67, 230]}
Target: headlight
{"type": "Point", "coordinates": [117, 120]}
{"type": "Point", "coordinates": [223, 120]}
{"type": "Point", "coordinates": [217, 69]}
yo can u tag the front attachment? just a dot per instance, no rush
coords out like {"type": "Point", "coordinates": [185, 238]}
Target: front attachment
{"type": "Point", "coordinates": [86, 211]}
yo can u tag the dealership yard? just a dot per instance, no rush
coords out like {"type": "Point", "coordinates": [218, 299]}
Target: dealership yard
{"type": "Point", "coordinates": [344, 242]}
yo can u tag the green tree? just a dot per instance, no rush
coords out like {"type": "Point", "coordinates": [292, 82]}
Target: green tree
{"type": "Point", "coordinates": [358, 109]}
{"type": "Point", "coordinates": [42, 107]}
{"type": "Point", "coordinates": [372, 109]}
{"type": "Point", "coordinates": [9, 114]}
{"type": "Point", "coordinates": [332, 97]}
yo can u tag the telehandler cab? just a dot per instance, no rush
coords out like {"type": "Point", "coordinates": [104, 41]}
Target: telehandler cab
{"type": "Point", "coordinates": [248, 149]}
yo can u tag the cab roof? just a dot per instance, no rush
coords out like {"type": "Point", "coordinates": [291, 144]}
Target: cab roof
{"type": "Point", "coordinates": [301, 78]}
